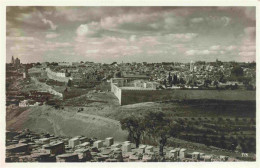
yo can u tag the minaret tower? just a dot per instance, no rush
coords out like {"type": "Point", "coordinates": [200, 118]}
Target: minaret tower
{"type": "Point", "coordinates": [191, 66]}
{"type": "Point", "coordinates": [12, 61]}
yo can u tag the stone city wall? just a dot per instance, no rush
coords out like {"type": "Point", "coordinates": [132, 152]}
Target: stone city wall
{"type": "Point", "coordinates": [58, 76]}
{"type": "Point", "coordinates": [117, 91]}
{"type": "Point", "coordinates": [137, 96]}
{"type": "Point", "coordinates": [47, 88]}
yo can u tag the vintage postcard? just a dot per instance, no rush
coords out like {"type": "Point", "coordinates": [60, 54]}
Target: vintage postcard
{"type": "Point", "coordinates": [129, 82]}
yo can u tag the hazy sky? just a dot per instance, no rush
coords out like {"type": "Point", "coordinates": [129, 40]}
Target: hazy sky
{"type": "Point", "coordinates": [151, 34]}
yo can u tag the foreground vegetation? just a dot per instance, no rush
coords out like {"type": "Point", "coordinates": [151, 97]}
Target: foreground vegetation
{"type": "Point", "coordinates": [233, 134]}
{"type": "Point", "coordinates": [154, 125]}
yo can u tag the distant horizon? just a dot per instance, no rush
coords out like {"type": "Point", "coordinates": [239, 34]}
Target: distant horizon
{"type": "Point", "coordinates": [130, 34]}
{"type": "Point", "coordinates": [131, 62]}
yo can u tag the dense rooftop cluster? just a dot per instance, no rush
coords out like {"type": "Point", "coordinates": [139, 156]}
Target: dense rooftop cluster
{"type": "Point", "coordinates": [198, 74]}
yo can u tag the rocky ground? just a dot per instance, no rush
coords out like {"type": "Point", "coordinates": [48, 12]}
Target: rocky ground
{"type": "Point", "coordinates": [63, 122]}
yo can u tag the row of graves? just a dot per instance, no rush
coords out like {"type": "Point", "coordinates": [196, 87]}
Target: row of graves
{"type": "Point", "coordinates": [27, 146]}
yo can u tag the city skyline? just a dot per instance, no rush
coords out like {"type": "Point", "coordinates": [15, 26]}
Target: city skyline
{"type": "Point", "coordinates": [131, 34]}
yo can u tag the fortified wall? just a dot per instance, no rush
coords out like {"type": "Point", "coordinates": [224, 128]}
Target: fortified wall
{"type": "Point", "coordinates": [138, 96]}
{"type": "Point", "coordinates": [58, 76]}
{"type": "Point", "coordinates": [54, 92]}
{"type": "Point", "coordinates": [117, 91]}
{"type": "Point", "coordinates": [47, 88]}
{"type": "Point", "coordinates": [132, 95]}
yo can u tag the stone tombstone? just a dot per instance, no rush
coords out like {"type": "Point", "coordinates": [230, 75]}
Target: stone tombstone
{"type": "Point", "coordinates": [114, 146]}
{"type": "Point", "coordinates": [85, 144]}
{"type": "Point", "coordinates": [98, 144]}
{"type": "Point", "coordinates": [44, 140]}
{"type": "Point", "coordinates": [83, 139]}
{"type": "Point", "coordinates": [118, 156]}
{"type": "Point", "coordinates": [68, 157]}
{"type": "Point", "coordinates": [142, 147]}
{"type": "Point", "coordinates": [202, 155]}
{"type": "Point", "coordinates": [178, 151]}
{"type": "Point", "coordinates": [109, 141]}
{"type": "Point", "coordinates": [126, 147]}
{"type": "Point", "coordinates": [207, 158]}
{"type": "Point", "coordinates": [126, 142]}
{"type": "Point", "coordinates": [73, 142]}
{"type": "Point", "coordinates": [173, 154]}
{"type": "Point", "coordinates": [183, 153]}
{"type": "Point", "coordinates": [196, 155]}
{"type": "Point", "coordinates": [149, 149]}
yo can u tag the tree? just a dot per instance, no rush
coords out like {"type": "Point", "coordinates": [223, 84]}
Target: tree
{"type": "Point", "coordinates": [207, 82]}
{"type": "Point", "coordinates": [170, 79]}
{"type": "Point", "coordinates": [237, 74]}
{"type": "Point", "coordinates": [222, 78]}
{"type": "Point", "coordinates": [118, 74]}
{"type": "Point", "coordinates": [175, 79]}
{"type": "Point", "coordinates": [236, 86]}
{"type": "Point", "coordinates": [135, 128]}
{"type": "Point", "coordinates": [161, 128]}
{"type": "Point", "coordinates": [69, 83]}
{"type": "Point", "coordinates": [237, 71]}
{"type": "Point", "coordinates": [182, 81]}
{"type": "Point", "coordinates": [216, 84]}
{"type": "Point", "coordinates": [164, 83]}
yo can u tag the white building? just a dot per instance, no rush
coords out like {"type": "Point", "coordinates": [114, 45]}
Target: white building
{"type": "Point", "coordinates": [24, 103]}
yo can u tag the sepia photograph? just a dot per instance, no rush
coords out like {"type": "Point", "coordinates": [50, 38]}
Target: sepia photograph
{"type": "Point", "coordinates": [130, 84]}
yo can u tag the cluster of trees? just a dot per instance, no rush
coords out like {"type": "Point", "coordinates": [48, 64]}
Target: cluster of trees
{"type": "Point", "coordinates": [237, 74]}
{"type": "Point", "coordinates": [156, 126]}
{"type": "Point", "coordinates": [230, 143]}
{"type": "Point", "coordinates": [221, 133]}
{"type": "Point", "coordinates": [173, 80]}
